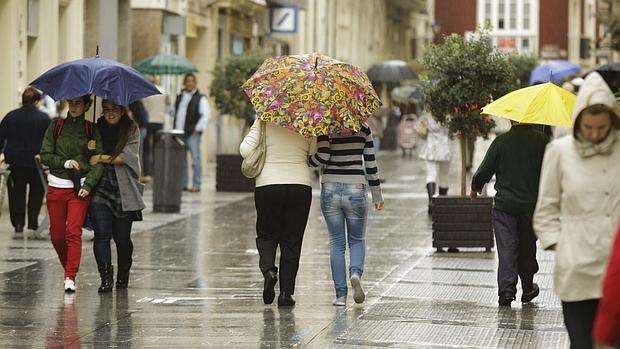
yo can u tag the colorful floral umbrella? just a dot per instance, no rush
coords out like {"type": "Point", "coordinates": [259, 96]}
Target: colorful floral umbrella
{"type": "Point", "coordinates": [312, 94]}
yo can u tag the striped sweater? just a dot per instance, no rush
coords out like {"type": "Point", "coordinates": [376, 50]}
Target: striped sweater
{"type": "Point", "coordinates": [349, 158]}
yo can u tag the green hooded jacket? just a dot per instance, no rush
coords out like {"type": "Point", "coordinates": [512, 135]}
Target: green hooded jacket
{"type": "Point", "coordinates": [71, 144]}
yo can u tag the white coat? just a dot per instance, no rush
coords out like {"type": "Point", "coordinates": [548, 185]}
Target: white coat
{"type": "Point", "coordinates": [578, 207]}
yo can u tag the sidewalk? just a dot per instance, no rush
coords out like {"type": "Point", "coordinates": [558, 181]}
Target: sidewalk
{"type": "Point", "coordinates": [195, 283]}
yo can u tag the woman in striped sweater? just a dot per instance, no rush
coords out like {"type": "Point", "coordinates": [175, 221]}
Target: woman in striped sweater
{"type": "Point", "coordinates": [349, 163]}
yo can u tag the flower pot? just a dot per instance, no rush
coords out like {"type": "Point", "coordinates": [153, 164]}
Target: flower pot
{"type": "Point", "coordinates": [461, 222]}
{"type": "Point", "coordinates": [228, 176]}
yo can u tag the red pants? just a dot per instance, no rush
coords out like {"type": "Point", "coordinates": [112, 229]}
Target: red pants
{"type": "Point", "coordinates": [67, 212]}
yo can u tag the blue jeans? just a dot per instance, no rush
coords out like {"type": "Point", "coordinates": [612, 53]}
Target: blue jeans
{"type": "Point", "coordinates": [345, 205]}
{"type": "Point", "coordinates": [192, 144]}
{"type": "Point", "coordinates": [108, 227]}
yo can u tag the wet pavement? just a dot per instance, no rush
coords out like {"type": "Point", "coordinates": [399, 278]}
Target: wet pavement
{"type": "Point", "coordinates": [195, 283]}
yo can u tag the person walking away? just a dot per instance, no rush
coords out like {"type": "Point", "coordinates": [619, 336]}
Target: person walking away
{"type": "Point", "coordinates": [515, 158]}
{"type": "Point", "coordinates": [67, 145]}
{"type": "Point", "coordinates": [350, 171]}
{"type": "Point", "coordinates": [607, 323]}
{"type": "Point", "coordinates": [117, 201]}
{"type": "Point", "coordinates": [21, 135]}
{"type": "Point", "coordinates": [436, 153]}
{"type": "Point", "coordinates": [282, 197]}
{"type": "Point", "coordinates": [191, 114]}
{"type": "Point", "coordinates": [407, 135]}
{"type": "Point", "coordinates": [578, 208]}
{"type": "Point", "coordinates": [157, 108]}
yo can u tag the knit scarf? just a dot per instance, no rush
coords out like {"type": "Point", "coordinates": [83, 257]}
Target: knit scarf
{"type": "Point", "coordinates": [587, 149]}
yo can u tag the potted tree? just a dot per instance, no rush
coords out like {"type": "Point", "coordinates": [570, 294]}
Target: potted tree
{"type": "Point", "coordinates": [461, 77]}
{"type": "Point", "coordinates": [232, 104]}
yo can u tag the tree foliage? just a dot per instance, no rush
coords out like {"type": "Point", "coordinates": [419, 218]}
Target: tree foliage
{"type": "Point", "coordinates": [522, 65]}
{"type": "Point", "coordinates": [462, 77]}
{"type": "Point", "coordinates": [230, 73]}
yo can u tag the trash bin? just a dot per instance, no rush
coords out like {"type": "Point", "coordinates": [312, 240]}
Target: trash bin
{"type": "Point", "coordinates": [168, 174]}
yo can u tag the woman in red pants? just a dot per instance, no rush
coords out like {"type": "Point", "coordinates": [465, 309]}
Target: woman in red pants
{"type": "Point", "coordinates": [607, 324]}
{"type": "Point", "coordinates": [66, 148]}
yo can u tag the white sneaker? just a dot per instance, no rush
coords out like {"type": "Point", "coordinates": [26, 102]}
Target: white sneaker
{"type": "Point", "coordinates": [69, 285]}
{"type": "Point", "coordinates": [340, 301]}
{"type": "Point", "coordinates": [358, 292]}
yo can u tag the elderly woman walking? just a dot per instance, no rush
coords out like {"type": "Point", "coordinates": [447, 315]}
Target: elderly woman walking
{"type": "Point", "coordinates": [578, 206]}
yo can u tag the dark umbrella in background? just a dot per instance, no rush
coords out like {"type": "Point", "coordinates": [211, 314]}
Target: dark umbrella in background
{"type": "Point", "coordinates": [390, 71]}
{"type": "Point", "coordinates": [611, 73]}
{"type": "Point", "coordinates": [166, 64]}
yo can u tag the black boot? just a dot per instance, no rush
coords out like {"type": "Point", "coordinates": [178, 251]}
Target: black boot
{"type": "Point", "coordinates": [122, 276]}
{"type": "Point", "coordinates": [286, 299]}
{"type": "Point", "coordinates": [107, 278]}
{"type": "Point", "coordinates": [443, 191]}
{"type": "Point", "coordinates": [430, 189]}
{"type": "Point", "coordinates": [271, 277]}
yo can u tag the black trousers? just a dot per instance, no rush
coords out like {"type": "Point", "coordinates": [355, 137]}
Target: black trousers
{"type": "Point", "coordinates": [108, 227]}
{"type": "Point", "coordinates": [282, 213]}
{"type": "Point", "coordinates": [148, 151]}
{"type": "Point", "coordinates": [19, 179]}
{"type": "Point", "coordinates": [579, 320]}
{"type": "Point", "coordinates": [516, 251]}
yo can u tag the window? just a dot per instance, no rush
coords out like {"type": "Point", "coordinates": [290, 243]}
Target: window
{"type": "Point", "coordinates": [501, 14]}
{"type": "Point", "coordinates": [525, 43]}
{"type": "Point", "coordinates": [526, 14]}
{"type": "Point", "coordinates": [487, 11]}
{"type": "Point", "coordinates": [513, 14]}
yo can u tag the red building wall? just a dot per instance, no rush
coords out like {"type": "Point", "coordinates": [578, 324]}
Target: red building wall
{"type": "Point", "coordinates": [553, 24]}
{"type": "Point", "coordinates": [455, 16]}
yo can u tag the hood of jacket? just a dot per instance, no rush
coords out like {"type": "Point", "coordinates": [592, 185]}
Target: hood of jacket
{"type": "Point", "coordinates": [594, 91]}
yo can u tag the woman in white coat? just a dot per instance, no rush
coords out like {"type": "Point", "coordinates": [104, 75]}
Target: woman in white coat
{"type": "Point", "coordinates": [435, 150]}
{"type": "Point", "coordinates": [578, 206]}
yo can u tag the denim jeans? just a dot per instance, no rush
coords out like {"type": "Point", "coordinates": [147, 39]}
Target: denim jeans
{"type": "Point", "coordinates": [192, 144]}
{"type": "Point", "coordinates": [345, 205]}
{"type": "Point", "coordinates": [108, 227]}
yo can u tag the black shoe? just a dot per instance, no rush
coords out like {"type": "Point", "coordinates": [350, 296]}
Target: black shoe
{"type": "Point", "coordinates": [122, 277]}
{"type": "Point", "coordinates": [505, 299]}
{"type": "Point", "coordinates": [271, 277]}
{"type": "Point", "coordinates": [443, 191]}
{"type": "Point", "coordinates": [106, 272]}
{"type": "Point", "coordinates": [453, 250]}
{"type": "Point", "coordinates": [527, 297]}
{"type": "Point", "coordinates": [19, 228]}
{"type": "Point", "coordinates": [286, 300]}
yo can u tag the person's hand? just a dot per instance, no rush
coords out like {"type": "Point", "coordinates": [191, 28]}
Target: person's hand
{"type": "Point", "coordinates": [83, 193]}
{"type": "Point", "coordinates": [94, 160]}
{"type": "Point", "coordinates": [72, 164]}
{"type": "Point", "coordinates": [473, 195]}
{"type": "Point", "coordinates": [379, 206]}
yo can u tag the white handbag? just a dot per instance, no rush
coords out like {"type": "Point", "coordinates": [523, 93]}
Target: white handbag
{"type": "Point", "coordinates": [253, 164]}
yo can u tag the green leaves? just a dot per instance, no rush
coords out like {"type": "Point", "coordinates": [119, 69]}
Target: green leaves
{"type": "Point", "coordinates": [462, 77]}
{"type": "Point", "coordinates": [230, 73]}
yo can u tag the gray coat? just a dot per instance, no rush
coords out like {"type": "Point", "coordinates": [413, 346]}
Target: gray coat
{"type": "Point", "coordinates": [128, 175]}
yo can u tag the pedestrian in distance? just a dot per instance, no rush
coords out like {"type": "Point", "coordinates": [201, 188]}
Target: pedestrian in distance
{"type": "Point", "coordinates": [436, 153]}
{"type": "Point", "coordinates": [192, 114]}
{"type": "Point", "coordinates": [515, 158]}
{"type": "Point", "coordinates": [350, 171]}
{"type": "Point", "coordinates": [607, 323]}
{"type": "Point", "coordinates": [67, 145]}
{"type": "Point", "coordinates": [21, 135]}
{"type": "Point", "coordinates": [578, 208]}
{"type": "Point", "coordinates": [407, 135]}
{"type": "Point", "coordinates": [282, 197]}
{"type": "Point", "coordinates": [117, 201]}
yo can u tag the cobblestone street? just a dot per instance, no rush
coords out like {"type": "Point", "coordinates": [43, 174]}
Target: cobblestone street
{"type": "Point", "coordinates": [196, 283]}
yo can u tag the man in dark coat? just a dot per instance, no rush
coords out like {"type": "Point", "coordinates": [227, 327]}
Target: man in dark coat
{"type": "Point", "coordinates": [21, 135]}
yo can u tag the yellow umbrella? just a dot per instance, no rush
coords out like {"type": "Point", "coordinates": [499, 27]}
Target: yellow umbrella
{"type": "Point", "coordinates": [545, 104]}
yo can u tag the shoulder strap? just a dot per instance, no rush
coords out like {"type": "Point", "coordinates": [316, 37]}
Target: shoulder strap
{"type": "Point", "coordinates": [58, 127]}
{"type": "Point", "coordinates": [89, 128]}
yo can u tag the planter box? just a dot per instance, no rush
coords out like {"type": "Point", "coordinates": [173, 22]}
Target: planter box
{"type": "Point", "coordinates": [462, 222]}
{"type": "Point", "coordinates": [228, 176]}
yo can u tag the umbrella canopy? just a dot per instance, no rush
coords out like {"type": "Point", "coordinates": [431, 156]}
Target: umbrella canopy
{"type": "Point", "coordinates": [311, 94]}
{"type": "Point", "coordinates": [102, 77]}
{"type": "Point", "coordinates": [404, 94]}
{"type": "Point", "coordinates": [544, 104]}
{"type": "Point", "coordinates": [391, 71]}
{"type": "Point", "coordinates": [166, 64]}
{"type": "Point", "coordinates": [553, 71]}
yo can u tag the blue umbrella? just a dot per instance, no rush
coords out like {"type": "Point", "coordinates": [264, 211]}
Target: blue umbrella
{"type": "Point", "coordinates": [553, 71]}
{"type": "Point", "coordinates": [102, 77]}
